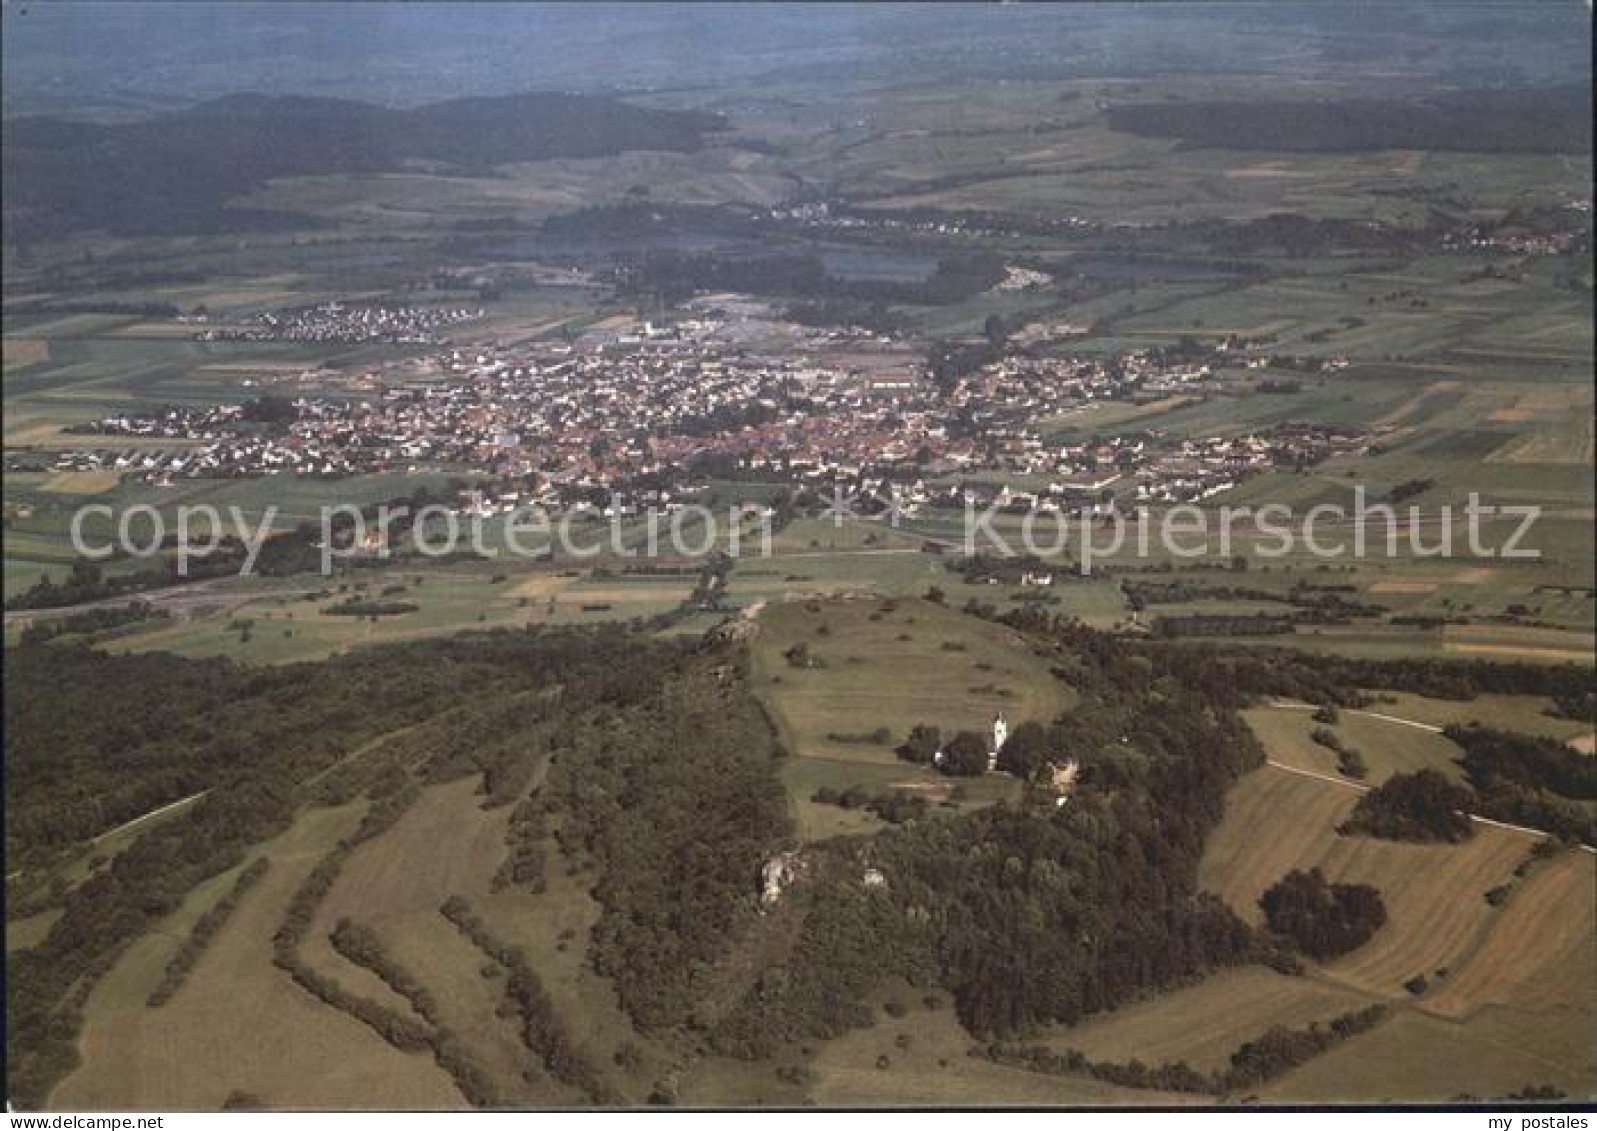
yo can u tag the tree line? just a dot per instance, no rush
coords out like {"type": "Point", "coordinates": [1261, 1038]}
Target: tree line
{"type": "Point", "coordinates": [1275, 1052]}
{"type": "Point", "coordinates": [542, 1030]}
{"type": "Point", "coordinates": [206, 928]}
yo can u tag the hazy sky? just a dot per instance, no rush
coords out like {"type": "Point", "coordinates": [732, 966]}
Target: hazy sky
{"type": "Point", "coordinates": [61, 54]}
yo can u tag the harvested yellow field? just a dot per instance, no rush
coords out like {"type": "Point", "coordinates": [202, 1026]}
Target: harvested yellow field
{"type": "Point", "coordinates": [1435, 898]}
{"type": "Point", "coordinates": [32, 434]}
{"type": "Point", "coordinates": [1414, 1057]}
{"type": "Point", "coordinates": [1268, 169]}
{"type": "Point", "coordinates": [1519, 651]}
{"type": "Point", "coordinates": [15, 353]}
{"type": "Point", "coordinates": [1405, 587]}
{"type": "Point", "coordinates": [1277, 821]}
{"type": "Point", "coordinates": [1517, 1004]}
{"type": "Point", "coordinates": [1539, 951]}
{"type": "Point", "coordinates": [1516, 640]}
{"type": "Point", "coordinates": [170, 331]}
{"type": "Point", "coordinates": [542, 586]}
{"type": "Point", "coordinates": [641, 593]}
{"type": "Point", "coordinates": [1568, 443]}
{"type": "Point", "coordinates": [1204, 1024]}
{"type": "Point", "coordinates": [81, 482]}
{"type": "Point", "coordinates": [233, 368]}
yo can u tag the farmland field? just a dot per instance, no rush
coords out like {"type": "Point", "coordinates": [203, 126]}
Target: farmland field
{"type": "Point", "coordinates": [1526, 714]}
{"type": "Point", "coordinates": [1521, 968]}
{"type": "Point", "coordinates": [1388, 747]}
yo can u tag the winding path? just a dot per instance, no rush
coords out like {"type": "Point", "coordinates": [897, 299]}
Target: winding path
{"type": "Point", "coordinates": [1475, 817]}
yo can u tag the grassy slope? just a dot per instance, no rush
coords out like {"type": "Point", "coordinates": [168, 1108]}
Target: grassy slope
{"type": "Point", "coordinates": [239, 1023]}
{"type": "Point", "coordinates": [1516, 1003]}
{"type": "Point", "coordinates": [934, 1069]}
{"type": "Point", "coordinates": [1387, 748]}
{"type": "Point", "coordinates": [875, 677]}
{"type": "Point", "coordinates": [1204, 1024]}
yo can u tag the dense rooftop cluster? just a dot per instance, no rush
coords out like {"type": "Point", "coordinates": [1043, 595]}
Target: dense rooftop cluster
{"type": "Point", "coordinates": [645, 410]}
{"type": "Point", "coordinates": [336, 322]}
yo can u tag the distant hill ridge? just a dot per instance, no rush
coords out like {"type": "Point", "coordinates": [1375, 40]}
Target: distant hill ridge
{"type": "Point", "coordinates": [1552, 119]}
{"type": "Point", "coordinates": [176, 172]}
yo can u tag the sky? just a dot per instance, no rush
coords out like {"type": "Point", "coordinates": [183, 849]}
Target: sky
{"type": "Point", "coordinates": [63, 54]}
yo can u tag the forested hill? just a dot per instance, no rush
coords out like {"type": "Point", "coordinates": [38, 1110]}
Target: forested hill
{"type": "Point", "coordinates": [176, 172]}
{"type": "Point", "coordinates": [1554, 119]}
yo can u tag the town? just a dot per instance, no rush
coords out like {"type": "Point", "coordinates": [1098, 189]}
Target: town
{"type": "Point", "coordinates": [335, 322]}
{"type": "Point", "coordinates": [614, 414]}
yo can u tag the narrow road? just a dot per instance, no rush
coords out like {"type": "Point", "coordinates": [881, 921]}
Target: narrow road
{"type": "Point", "coordinates": [1353, 785]}
{"type": "Point", "coordinates": [167, 597]}
{"type": "Point", "coordinates": [126, 825]}
{"type": "Point", "coordinates": [1356, 711]}
{"type": "Point", "coordinates": [1404, 722]}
